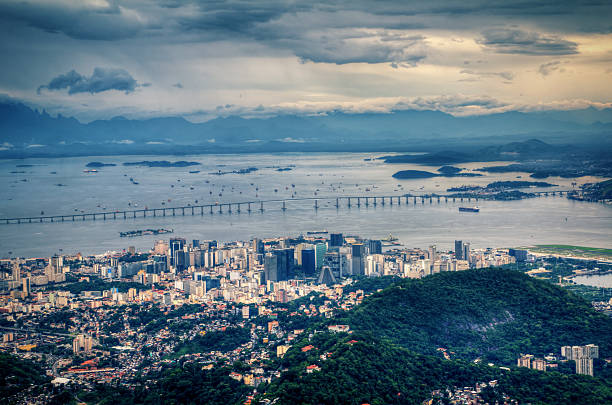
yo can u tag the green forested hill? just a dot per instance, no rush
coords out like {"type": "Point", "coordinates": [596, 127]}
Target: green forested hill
{"type": "Point", "coordinates": [375, 371]}
{"type": "Point", "coordinates": [494, 314]}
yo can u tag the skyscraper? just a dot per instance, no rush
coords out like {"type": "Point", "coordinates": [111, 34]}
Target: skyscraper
{"type": "Point", "coordinates": [177, 255]}
{"type": "Point", "coordinates": [432, 253]}
{"type": "Point", "coordinates": [466, 251]}
{"type": "Point", "coordinates": [26, 286]}
{"type": "Point", "coordinates": [374, 247]}
{"type": "Point", "coordinates": [358, 258]}
{"type": "Point", "coordinates": [278, 264]}
{"type": "Point", "coordinates": [308, 261]}
{"type": "Point", "coordinates": [258, 246]}
{"type": "Point", "coordinates": [336, 240]}
{"type": "Point", "coordinates": [458, 250]}
{"type": "Point", "coordinates": [320, 250]}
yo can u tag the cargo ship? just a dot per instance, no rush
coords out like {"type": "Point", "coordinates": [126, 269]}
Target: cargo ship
{"type": "Point", "coordinates": [469, 209]}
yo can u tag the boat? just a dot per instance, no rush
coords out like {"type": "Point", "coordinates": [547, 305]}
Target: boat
{"type": "Point", "coordinates": [469, 209]}
{"type": "Point", "coordinates": [90, 171]}
{"type": "Point", "coordinates": [316, 232]}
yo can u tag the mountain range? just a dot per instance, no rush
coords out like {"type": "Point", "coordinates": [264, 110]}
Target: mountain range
{"type": "Point", "coordinates": [27, 132]}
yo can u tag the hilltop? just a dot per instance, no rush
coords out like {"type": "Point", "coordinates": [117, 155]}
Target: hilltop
{"type": "Point", "coordinates": [494, 314]}
{"type": "Point", "coordinates": [361, 368]}
{"type": "Point", "coordinates": [393, 353]}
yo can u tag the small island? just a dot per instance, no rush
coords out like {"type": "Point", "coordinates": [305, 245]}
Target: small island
{"type": "Point", "coordinates": [414, 174]}
{"type": "Point", "coordinates": [99, 164]}
{"type": "Point", "coordinates": [162, 163]}
{"type": "Point", "coordinates": [444, 171]}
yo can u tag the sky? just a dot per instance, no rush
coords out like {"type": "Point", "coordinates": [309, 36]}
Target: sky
{"type": "Point", "coordinates": [95, 59]}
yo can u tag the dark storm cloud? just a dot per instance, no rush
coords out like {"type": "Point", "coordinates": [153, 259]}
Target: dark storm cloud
{"type": "Point", "coordinates": [515, 41]}
{"type": "Point", "coordinates": [359, 47]}
{"type": "Point", "coordinates": [101, 80]}
{"type": "Point", "coordinates": [80, 20]}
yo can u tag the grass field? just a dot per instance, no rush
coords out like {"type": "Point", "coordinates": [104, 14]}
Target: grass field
{"type": "Point", "coordinates": [576, 251]}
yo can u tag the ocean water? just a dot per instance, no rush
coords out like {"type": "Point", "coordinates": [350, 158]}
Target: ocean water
{"type": "Point", "coordinates": [595, 280]}
{"type": "Point", "coordinates": [61, 187]}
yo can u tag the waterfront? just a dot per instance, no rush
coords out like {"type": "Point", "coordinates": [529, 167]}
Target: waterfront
{"type": "Point", "coordinates": [499, 223]}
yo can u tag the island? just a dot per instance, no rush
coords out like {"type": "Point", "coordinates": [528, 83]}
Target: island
{"type": "Point", "coordinates": [162, 163]}
{"type": "Point", "coordinates": [99, 164]}
{"type": "Point", "coordinates": [444, 171]}
{"type": "Point", "coordinates": [413, 174]}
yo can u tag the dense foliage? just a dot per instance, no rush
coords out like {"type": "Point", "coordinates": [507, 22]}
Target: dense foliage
{"type": "Point", "coordinates": [494, 314]}
{"type": "Point", "coordinates": [222, 341]}
{"type": "Point", "coordinates": [175, 384]}
{"type": "Point", "coordinates": [361, 368]}
{"type": "Point", "coordinates": [16, 375]}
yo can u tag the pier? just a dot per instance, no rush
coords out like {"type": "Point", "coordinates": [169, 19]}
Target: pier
{"type": "Point", "coordinates": [236, 207]}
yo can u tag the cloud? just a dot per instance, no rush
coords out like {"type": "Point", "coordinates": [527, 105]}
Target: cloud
{"type": "Point", "coordinates": [504, 75]}
{"type": "Point", "coordinates": [83, 19]}
{"type": "Point", "coordinates": [547, 68]}
{"type": "Point", "coordinates": [515, 41]}
{"type": "Point", "coordinates": [359, 46]}
{"type": "Point", "coordinates": [102, 79]}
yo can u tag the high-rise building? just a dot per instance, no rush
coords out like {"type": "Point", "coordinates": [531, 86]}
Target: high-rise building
{"type": "Point", "coordinates": [358, 259]}
{"type": "Point", "coordinates": [258, 246]}
{"type": "Point", "coordinates": [27, 288]}
{"type": "Point", "coordinates": [583, 356]}
{"type": "Point", "coordinates": [374, 247]}
{"type": "Point", "coordinates": [177, 254]}
{"type": "Point", "coordinates": [308, 262]}
{"type": "Point", "coordinates": [160, 247]}
{"type": "Point", "coordinates": [82, 343]}
{"type": "Point", "coordinates": [16, 272]}
{"type": "Point", "coordinates": [335, 240]}
{"type": "Point", "coordinates": [432, 253]}
{"type": "Point", "coordinates": [278, 264]}
{"type": "Point", "coordinates": [466, 252]}
{"type": "Point", "coordinates": [458, 250]}
{"type": "Point", "coordinates": [338, 263]}
{"type": "Point", "coordinates": [320, 250]}
{"type": "Point", "coordinates": [525, 361]}
{"type": "Point", "coordinates": [584, 365]}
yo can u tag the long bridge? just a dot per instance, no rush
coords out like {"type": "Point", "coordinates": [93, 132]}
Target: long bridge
{"type": "Point", "coordinates": [250, 206]}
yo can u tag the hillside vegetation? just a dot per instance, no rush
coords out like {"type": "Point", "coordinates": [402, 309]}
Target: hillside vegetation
{"type": "Point", "coordinates": [361, 368]}
{"type": "Point", "coordinates": [492, 314]}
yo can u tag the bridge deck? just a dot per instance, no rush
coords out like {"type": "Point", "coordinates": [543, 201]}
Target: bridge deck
{"type": "Point", "coordinates": [201, 209]}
